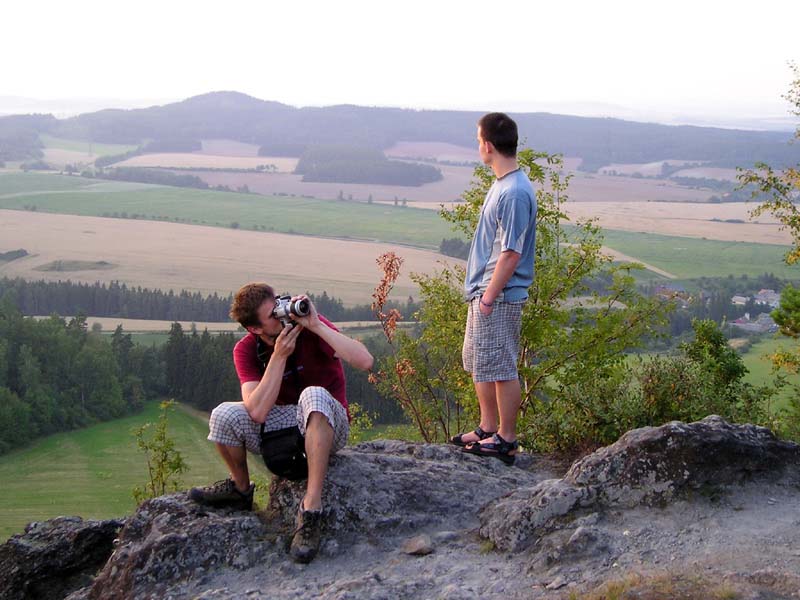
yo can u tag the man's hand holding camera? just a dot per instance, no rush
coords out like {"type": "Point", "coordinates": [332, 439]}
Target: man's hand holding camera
{"type": "Point", "coordinates": [295, 313]}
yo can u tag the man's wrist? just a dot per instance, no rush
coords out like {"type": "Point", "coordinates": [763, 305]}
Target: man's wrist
{"type": "Point", "coordinates": [486, 304]}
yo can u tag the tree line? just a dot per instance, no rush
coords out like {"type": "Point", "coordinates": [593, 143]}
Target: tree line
{"type": "Point", "coordinates": [199, 371]}
{"type": "Point", "coordinates": [352, 164]}
{"type": "Point", "coordinates": [55, 375]}
{"type": "Point", "coordinates": [135, 302]}
{"type": "Point", "coordinates": [114, 300]}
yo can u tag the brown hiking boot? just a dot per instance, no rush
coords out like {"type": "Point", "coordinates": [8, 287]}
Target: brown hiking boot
{"type": "Point", "coordinates": [307, 533]}
{"type": "Point", "coordinates": [223, 494]}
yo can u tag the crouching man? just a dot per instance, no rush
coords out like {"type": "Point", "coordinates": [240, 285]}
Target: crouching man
{"type": "Point", "coordinates": [292, 383]}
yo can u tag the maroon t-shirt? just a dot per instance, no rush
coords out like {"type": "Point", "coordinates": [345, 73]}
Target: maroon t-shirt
{"type": "Point", "coordinates": [313, 360]}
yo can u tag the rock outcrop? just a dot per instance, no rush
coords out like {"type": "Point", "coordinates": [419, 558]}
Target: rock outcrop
{"type": "Point", "coordinates": [403, 520]}
{"type": "Point", "coordinates": [651, 465]}
{"type": "Point", "coordinates": [54, 557]}
{"type": "Point", "coordinates": [377, 489]}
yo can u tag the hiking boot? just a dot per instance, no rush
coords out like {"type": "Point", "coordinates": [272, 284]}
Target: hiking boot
{"type": "Point", "coordinates": [305, 541]}
{"type": "Point", "coordinates": [223, 494]}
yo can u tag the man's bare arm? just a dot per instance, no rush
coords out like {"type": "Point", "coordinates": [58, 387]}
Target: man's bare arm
{"type": "Point", "coordinates": [259, 396]}
{"type": "Point", "coordinates": [349, 350]}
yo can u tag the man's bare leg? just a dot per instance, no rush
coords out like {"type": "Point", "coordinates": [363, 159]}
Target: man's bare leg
{"type": "Point", "coordinates": [487, 401]}
{"type": "Point", "coordinates": [235, 458]}
{"type": "Point", "coordinates": [509, 399]}
{"type": "Point", "coordinates": [319, 442]}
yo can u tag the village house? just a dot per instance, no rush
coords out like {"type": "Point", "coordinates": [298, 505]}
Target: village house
{"type": "Point", "coordinates": [762, 324]}
{"type": "Point", "coordinates": [768, 297]}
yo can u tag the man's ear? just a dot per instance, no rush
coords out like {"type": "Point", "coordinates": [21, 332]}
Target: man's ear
{"type": "Point", "coordinates": [253, 330]}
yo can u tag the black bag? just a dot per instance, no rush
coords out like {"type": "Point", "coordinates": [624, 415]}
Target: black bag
{"type": "Point", "coordinates": [284, 452]}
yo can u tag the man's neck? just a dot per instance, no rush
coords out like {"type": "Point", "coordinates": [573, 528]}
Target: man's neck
{"type": "Point", "coordinates": [268, 339]}
{"type": "Point", "coordinates": [504, 166]}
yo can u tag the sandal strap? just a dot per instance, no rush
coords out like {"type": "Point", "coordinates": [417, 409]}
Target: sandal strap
{"type": "Point", "coordinates": [482, 435]}
{"type": "Point", "coordinates": [501, 445]}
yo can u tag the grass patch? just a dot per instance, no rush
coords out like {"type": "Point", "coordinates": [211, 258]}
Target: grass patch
{"type": "Point", "coordinates": [94, 148]}
{"type": "Point", "coordinates": [75, 265]}
{"type": "Point", "coordinates": [24, 183]}
{"type": "Point", "coordinates": [396, 431]}
{"type": "Point", "coordinates": [306, 216]}
{"type": "Point", "coordinates": [91, 472]}
{"type": "Point", "coordinates": [660, 586]}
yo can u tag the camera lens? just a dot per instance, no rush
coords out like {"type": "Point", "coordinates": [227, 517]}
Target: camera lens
{"type": "Point", "coordinates": [300, 308]}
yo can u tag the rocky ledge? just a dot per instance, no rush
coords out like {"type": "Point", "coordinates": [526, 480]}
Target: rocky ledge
{"type": "Point", "coordinates": [428, 521]}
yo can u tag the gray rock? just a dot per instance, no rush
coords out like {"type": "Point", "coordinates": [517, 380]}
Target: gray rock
{"type": "Point", "coordinates": [391, 486]}
{"type": "Point", "coordinates": [419, 545]}
{"type": "Point", "coordinates": [557, 583]}
{"type": "Point", "coordinates": [168, 539]}
{"type": "Point", "coordinates": [53, 558]}
{"type": "Point", "coordinates": [645, 466]}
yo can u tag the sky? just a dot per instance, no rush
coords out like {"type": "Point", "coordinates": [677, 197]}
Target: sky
{"type": "Point", "coordinates": [617, 58]}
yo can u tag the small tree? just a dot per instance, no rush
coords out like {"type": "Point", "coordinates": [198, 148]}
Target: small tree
{"type": "Point", "coordinates": [783, 190]}
{"type": "Point", "coordinates": [164, 462]}
{"type": "Point", "coordinates": [570, 333]}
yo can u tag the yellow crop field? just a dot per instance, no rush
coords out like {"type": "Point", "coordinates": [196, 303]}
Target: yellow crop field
{"type": "Point", "coordinates": [192, 160]}
{"type": "Point", "coordinates": [727, 221]}
{"type": "Point", "coordinates": [197, 258]}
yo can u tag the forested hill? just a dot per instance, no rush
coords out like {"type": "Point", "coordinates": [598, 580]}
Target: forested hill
{"type": "Point", "coordinates": [284, 130]}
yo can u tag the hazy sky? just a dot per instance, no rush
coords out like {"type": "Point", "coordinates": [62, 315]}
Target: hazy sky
{"type": "Point", "coordinates": [691, 57]}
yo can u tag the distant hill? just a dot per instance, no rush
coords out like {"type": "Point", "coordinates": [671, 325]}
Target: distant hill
{"type": "Point", "coordinates": [285, 130]}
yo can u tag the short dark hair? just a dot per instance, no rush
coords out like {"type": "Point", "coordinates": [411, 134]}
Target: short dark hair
{"type": "Point", "coordinates": [247, 301]}
{"type": "Point", "coordinates": [501, 131]}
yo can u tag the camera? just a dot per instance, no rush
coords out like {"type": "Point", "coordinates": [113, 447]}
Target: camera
{"type": "Point", "coordinates": [285, 307]}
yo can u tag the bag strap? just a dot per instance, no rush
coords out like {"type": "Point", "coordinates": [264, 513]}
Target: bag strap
{"type": "Point", "coordinates": [291, 363]}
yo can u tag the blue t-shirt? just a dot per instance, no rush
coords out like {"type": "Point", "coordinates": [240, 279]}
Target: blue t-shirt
{"type": "Point", "coordinates": [507, 222]}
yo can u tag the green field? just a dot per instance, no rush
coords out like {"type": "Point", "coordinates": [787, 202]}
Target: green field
{"type": "Point", "coordinates": [760, 368]}
{"type": "Point", "coordinates": [91, 472]}
{"type": "Point", "coordinates": [307, 216]}
{"type": "Point", "coordinates": [693, 257]}
{"type": "Point", "coordinates": [81, 146]}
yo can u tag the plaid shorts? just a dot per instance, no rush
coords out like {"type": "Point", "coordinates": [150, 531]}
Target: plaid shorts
{"type": "Point", "coordinates": [231, 425]}
{"type": "Point", "coordinates": [491, 344]}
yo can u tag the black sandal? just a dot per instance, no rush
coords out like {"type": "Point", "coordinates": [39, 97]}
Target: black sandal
{"type": "Point", "coordinates": [482, 435]}
{"type": "Point", "coordinates": [498, 448]}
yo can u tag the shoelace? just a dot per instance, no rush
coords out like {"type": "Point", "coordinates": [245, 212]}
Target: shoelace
{"type": "Point", "coordinates": [223, 485]}
{"type": "Point", "coordinates": [305, 527]}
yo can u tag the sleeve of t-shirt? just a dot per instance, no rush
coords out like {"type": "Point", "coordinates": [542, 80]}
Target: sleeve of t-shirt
{"type": "Point", "coordinates": [324, 346]}
{"type": "Point", "coordinates": [245, 359]}
{"type": "Point", "coordinates": [514, 215]}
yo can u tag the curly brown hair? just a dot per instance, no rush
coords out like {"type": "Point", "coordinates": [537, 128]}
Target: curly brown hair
{"type": "Point", "coordinates": [247, 301]}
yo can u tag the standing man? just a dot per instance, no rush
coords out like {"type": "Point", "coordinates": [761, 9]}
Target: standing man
{"type": "Point", "coordinates": [499, 272]}
{"type": "Point", "coordinates": [291, 376]}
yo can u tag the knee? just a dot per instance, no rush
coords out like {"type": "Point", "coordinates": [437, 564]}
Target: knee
{"type": "Point", "coordinates": [227, 413]}
{"type": "Point", "coordinates": [312, 395]}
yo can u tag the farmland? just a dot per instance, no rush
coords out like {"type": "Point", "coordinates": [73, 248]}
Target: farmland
{"type": "Point", "coordinates": [725, 222]}
{"type": "Point", "coordinates": [691, 257]}
{"type": "Point", "coordinates": [155, 253]}
{"type": "Point", "coordinates": [196, 258]}
{"type": "Point", "coordinates": [79, 196]}
{"type": "Point", "coordinates": [189, 160]}
{"type": "Point", "coordinates": [59, 152]}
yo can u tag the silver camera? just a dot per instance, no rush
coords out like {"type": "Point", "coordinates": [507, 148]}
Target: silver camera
{"type": "Point", "coordinates": [285, 308]}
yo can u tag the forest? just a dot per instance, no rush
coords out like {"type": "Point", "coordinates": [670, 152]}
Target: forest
{"type": "Point", "coordinates": [288, 131]}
